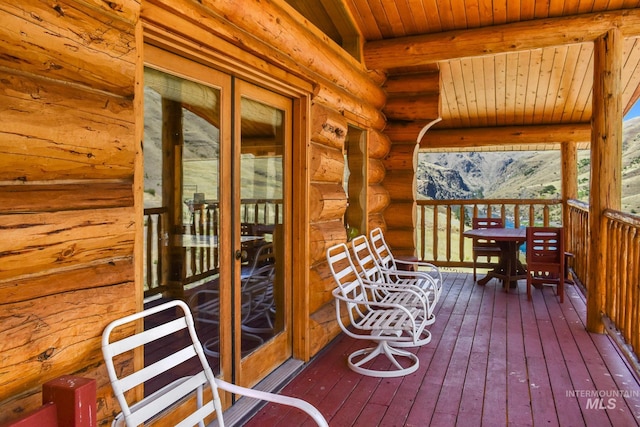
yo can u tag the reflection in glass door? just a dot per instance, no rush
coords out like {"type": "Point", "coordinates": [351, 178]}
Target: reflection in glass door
{"type": "Point", "coordinates": [262, 135]}
{"type": "Point", "coordinates": [182, 143]}
{"type": "Point", "coordinates": [218, 208]}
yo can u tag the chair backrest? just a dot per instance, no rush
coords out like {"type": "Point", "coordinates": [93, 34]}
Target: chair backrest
{"type": "Point", "coordinates": [382, 250]}
{"type": "Point", "coordinates": [179, 353]}
{"type": "Point", "coordinates": [485, 246]}
{"type": "Point", "coordinates": [369, 268]}
{"type": "Point", "coordinates": [545, 249]}
{"type": "Point", "coordinates": [478, 223]}
{"type": "Point", "coordinates": [262, 266]}
{"type": "Point", "coordinates": [349, 284]}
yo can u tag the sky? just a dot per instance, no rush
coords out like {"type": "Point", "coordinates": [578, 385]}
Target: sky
{"type": "Point", "coordinates": [634, 112]}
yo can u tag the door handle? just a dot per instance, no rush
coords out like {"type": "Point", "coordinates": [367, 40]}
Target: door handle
{"type": "Point", "coordinates": [238, 254]}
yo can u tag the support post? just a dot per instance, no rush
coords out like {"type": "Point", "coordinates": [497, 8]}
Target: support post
{"type": "Point", "coordinates": [75, 399]}
{"type": "Point", "coordinates": [569, 159]}
{"type": "Point", "coordinates": [606, 160]}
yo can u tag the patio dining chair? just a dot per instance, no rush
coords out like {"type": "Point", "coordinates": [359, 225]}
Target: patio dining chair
{"type": "Point", "coordinates": [484, 247]}
{"type": "Point", "coordinates": [191, 390]}
{"type": "Point", "coordinates": [546, 259]}
{"type": "Point", "coordinates": [387, 261]}
{"type": "Point", "coordinates": [393, 318]}
{"type": "Point", "coordinates": [372, 271]}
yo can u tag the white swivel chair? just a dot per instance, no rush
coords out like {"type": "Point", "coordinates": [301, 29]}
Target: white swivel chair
{"type": "Point", "coordinates": [195, 392]}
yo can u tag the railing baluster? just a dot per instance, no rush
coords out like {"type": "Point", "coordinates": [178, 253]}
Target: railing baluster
{"type": "Point", "coordinates": [434, 246]}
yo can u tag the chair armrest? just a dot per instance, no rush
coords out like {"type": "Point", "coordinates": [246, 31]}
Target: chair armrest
{"type": "Point", "coordinates": [276, 398]}
{"type": "Point", "coordinates": [381, 305]}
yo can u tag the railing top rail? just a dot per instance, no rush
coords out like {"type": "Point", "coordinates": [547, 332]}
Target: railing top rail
{"type": "Point", "coordinates": [490, 202]}
{"type": "Point", "coordinates": [578, 204]}
{"type": "Point", "coordinates": [154, 211]}
{"type": "Point", "coordinates": [623, 217]}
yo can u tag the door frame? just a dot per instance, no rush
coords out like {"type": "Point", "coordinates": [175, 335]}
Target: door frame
{"type": "Point", "coordinates": [255, 366]}
{"type": "Point", "coordinates": [300, 93]}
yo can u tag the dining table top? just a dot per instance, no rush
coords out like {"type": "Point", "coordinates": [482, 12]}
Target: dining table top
{"type": "Point", "coordinates": [504, 234]}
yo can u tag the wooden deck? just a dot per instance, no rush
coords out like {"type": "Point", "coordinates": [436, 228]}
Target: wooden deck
{"type": "Point", "coordinates": [495, 359]}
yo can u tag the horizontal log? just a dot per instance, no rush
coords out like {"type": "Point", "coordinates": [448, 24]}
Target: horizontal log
{"type": "Point", "coordinates": [506, 135]}
{"type": "Point", "coordinates": [95, 275]}
{"type": "Point", "coordinates": [413, 83]}
{"type": "Point", "coordinates": [401, 185]}
{"type": "Point", "coordinates": [328, 126]}
{"type": "Point", "coordinates": [402, 157]}
{"type": "Point", "coordinates": [58, 197]}
{"type": "Point", "coordinates": [321, 284]}
{"type": "Point", "coordinates": [404, 132]}
{"type": "Point", "coordinates": [429, 48]}
{"type": "Point", "coordinates": [72, 43]}
{"type": "Point", "coordinates": [303, 43]}
{"type": "Point", "coordinates": [376, 171]}
{"type": "Point", "coordinates": [326, 164]}
{"type": "Point", "coordinates": [400, 214]}
{"type": "Point", "coordinates": [40, 242]}
{"type": "Point", "coordinates": [355, 109]}
{"type": "Point", "coordinates": [291, 45]}
{"type": "Point", "coordinates": [413, 107]}
{"type": "Point", "coordinates": [38, 143]}
{"type": "Point", "coordinates": [326, 202]}
{"type": "Point", "coordinates": [323, 235]}
{"type": "Point", "coordinates": [401, 240]}
{"type": "Point", "coordinates": [377, 198]}
{"type": "Point", "coordinates": [57, 334]}
{"type": "Point", "coordinates": [323, 328]}
{"type": "Point", "coordinates": [378, 145]}
{"type": "Point", "coordinates": [376, 220]}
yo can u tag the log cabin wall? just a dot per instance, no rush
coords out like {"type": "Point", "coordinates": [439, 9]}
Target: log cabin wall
{"type": "Point", "coordinates": [290, 57]}
{"type": "Point", "coordinates": [68, 213]}
{"type": "Point", "coordinates": [413, 103]}
{"type": "Point", "coordinates": [72, 172]}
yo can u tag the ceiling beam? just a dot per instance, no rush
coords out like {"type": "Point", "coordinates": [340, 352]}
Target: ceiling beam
{"type": "Point", "coordinates": [518, 36]}
{"type": "Point", "coordinates": [506, 135]}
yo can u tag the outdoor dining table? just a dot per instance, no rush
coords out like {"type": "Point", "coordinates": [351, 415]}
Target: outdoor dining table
{"type": "Point", "coordinates": [509, 269]}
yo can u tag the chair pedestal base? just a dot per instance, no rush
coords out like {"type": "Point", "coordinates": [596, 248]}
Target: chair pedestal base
{"type": "Point", "coordinates": [383, 348]}
{"type": "Point", "coordinates": [425, 338]}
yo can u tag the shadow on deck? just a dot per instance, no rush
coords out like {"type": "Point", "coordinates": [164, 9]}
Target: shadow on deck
{"type": "Point", "coordinates": [495, 359]}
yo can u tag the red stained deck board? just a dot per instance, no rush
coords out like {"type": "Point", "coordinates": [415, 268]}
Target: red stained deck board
{"type": "Point", "coordinates": [495, 358]}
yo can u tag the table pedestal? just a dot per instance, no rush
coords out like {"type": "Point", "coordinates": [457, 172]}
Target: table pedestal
{"type": "Point", "coordinates": [509, 270]}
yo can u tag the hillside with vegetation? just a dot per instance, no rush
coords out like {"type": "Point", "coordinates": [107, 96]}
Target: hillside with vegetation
{"type": "Point", "coordinates": [521, 174]}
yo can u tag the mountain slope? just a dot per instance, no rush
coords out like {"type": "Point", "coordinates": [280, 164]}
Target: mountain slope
{"type": "Point", "coordinates": [521, 174]}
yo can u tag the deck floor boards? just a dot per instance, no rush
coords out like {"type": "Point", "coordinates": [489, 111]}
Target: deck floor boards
{"type": "Point", "coordinates": [494, 359]}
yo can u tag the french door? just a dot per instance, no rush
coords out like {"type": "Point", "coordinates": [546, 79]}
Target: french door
{"type": "Point", "coordinates": [261, 207]}
{"type": "Point", "coordinates": [217, 169]}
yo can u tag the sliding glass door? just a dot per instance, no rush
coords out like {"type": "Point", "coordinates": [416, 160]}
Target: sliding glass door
{"type": "Point", "coordinates": [218, 210]}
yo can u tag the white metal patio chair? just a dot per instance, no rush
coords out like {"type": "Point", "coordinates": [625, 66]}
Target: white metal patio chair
{"type": "Point", "coordinates": [394, 321]}
{"type": "Point", "coordinates": [257, 306]}
{"type": "Point", "coordinates": [372, 270]}
{"type": "Point", "coordinates": [190, 381]}
{"type": "Point", "coordinates": [389, 262]}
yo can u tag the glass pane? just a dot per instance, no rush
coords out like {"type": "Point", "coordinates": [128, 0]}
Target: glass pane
{"type": "Point", "coordinates": [262, 141]}
{"type": "Point", "coordinates": [182, 121]}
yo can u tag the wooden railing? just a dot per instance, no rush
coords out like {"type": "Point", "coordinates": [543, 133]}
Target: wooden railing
{"type": "Point", "coordinates": [577, 239]}
{"type": "Point", "coordinates": [622, 293]}
{"type": "Point", "coordinates": [155, 220]}
{"type": "Point", "coordinates": [441, 224]}
{"type": "Point", "coordinates": [202, 219]}
{"type": "Point", "coordinates": [448, 248]}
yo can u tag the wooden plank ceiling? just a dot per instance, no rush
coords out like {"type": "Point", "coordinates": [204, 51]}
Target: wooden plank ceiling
{"type": "Point", "coordinates": [523, 80]}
